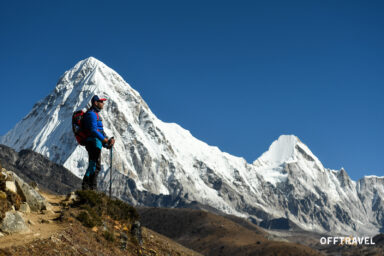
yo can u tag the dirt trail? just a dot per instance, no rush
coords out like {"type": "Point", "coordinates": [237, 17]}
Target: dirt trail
{"type": "Point", "coordinates": [41, 225]}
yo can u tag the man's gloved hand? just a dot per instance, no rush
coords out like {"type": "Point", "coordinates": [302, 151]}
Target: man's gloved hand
{"type": "Point", "coordinates": [105, 142]}
{"type": "Point", "coordinates": [110, 143]}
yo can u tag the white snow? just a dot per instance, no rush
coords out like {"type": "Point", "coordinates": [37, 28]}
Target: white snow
{"type": "Point", "coordinates": [374, 177]}
{"type": "Point", "coordinates": [282, 150]}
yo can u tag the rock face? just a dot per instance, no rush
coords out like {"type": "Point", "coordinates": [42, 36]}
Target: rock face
{"type": "Point", "coordinates": [13, 223]}
{"type": "Point", "coordinates": [162, 164]}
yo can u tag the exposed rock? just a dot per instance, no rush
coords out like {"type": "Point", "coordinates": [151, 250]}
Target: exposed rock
{"type": "Point", "coordinates": [13, 223]}
{"type": "Point", "coordinates": [49, 212]}
{"type": "Point", "coordinates": [45, 221]}
{"type": "Point", "coordinates": [11, 186]}
{"type": "Point", "coordinates": [35, 201]}
{"type": "Point", "coordinates": [24, 207]}
{"type": "Point", "coordinates": [72, 197]}
{"type": "Point", "coordinates": [136, 232]}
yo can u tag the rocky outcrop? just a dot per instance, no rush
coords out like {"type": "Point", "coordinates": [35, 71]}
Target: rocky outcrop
{"type": "Point", "coordinates": [16, 198]}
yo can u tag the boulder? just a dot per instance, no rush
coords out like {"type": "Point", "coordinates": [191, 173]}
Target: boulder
{"type": "Point", "coordinates": [11, 186]}
{"type": "Point", "coordinates": [35, 201]}
{"type": "Point", "coordinates": [24, 207]}
{"type": "Point", "coordinates": [13, 223]}
{"type": "Point", "coordinates": [72, 197]}
{"type": "Point", "coordinates": [136, 232]}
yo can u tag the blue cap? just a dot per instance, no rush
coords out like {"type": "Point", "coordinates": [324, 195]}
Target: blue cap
{"type": "Point", "coordinates": [96, 98]}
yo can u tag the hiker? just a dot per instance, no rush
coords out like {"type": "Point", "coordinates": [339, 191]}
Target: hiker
{"type": "Point", "coordinates": [96, 139]}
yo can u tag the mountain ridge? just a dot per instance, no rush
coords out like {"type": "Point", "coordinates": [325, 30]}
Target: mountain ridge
{"type": "Point", "coordinates": [162, 163]}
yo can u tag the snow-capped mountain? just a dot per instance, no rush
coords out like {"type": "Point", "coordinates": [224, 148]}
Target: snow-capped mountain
{"type": "Point", "coordinates": [162, 164]}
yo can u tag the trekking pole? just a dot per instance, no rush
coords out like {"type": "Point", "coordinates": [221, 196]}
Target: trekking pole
{"type": "Point", "coordinates": [110, 175]}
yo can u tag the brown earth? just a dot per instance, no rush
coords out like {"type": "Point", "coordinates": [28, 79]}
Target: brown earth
{"type": "Point", "coordinates": [205, 233]}
{"type": "Point", "coordinates": [50, 234]}
{"type": "Point", "coordinates": [211, 234]}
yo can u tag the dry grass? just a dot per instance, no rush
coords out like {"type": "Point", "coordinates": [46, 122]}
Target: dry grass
{"type": "Point", "coordinates": [211, 234]}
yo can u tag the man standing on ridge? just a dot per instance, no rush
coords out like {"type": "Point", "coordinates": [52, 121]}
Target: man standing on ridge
{"type": "Point", "coordinates": [96, 139]}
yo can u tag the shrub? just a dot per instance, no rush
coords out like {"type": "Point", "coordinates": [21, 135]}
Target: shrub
{"type": "Point", "coordinates": [4, 207]}
{"type": "Point", "coordinates": [97, 204]}
{"type": "Point", "coordinates": [14, 199]}
{"type": "Point", "coordinates": [88, 220]}
{"type": "Point", "coordinates": [90, 197]}
{"type": "Point", "coordinates": [109, 236]}
{"type": "Point", "coordinates": [119, 210]}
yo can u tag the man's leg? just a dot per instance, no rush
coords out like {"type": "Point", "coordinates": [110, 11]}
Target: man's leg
{"type": "Point", "coordinates": [85, 183]}
{"type": "Point", "coordinates": [93, 180]}
{"type": "Point", "coordinates": [93, 166]}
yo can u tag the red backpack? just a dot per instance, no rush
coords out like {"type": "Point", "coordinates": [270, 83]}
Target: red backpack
{"type": "Point", "coordinates": [77, 127]}
{"type": "Point", "coordinates": [80, 133]}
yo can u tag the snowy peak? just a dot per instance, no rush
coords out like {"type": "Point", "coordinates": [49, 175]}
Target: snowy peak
{"type": "Point", "coordinates": [286, 149]}
{"type": "Point", "coordinates": [89, 62]}
{"type": "Point", "coordinates": [93, 75]}
{"type": "Point", "coordinates": [281, 150]}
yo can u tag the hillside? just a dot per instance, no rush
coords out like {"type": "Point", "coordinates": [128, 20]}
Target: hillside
{"type": "Point", "coordinates": [212, 234]}
{"type": "Point", "coordinates": [34, 167]}
{"type": "Point", "coordinates": [61, 231]}
{"type": "Point", "coordinates": [89, 223]}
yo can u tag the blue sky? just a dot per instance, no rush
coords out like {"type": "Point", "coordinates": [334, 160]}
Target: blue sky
{"type": "Point", "coordinates": [237, 74]}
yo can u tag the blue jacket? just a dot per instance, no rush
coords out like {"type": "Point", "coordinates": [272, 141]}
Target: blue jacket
{"type": "Point", "coordinates": [93, 123]}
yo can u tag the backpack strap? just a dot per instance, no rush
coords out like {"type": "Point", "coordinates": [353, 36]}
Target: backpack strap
{"type": "Point", "coordinates": [97, 117]}
{"type": "Point", "coordinates": [97, 114]}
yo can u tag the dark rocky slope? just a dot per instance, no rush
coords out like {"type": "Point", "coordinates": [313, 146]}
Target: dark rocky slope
{"type": "Point", "coordinates": [33, 167]}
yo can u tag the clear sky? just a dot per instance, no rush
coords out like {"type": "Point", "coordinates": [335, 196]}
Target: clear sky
{"type": "Point", "coordinates": [237, 74]}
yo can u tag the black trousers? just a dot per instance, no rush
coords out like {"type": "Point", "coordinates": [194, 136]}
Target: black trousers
{"type": "Point", "coordinates": [94, 166]}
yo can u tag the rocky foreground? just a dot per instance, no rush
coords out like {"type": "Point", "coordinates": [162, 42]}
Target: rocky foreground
{"type": "Point", "coordinates": [82, 223]}
{"type": "Point", "coordinates": [16, 199]}
{"type": "Point", "coordinates": [33, 222]}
